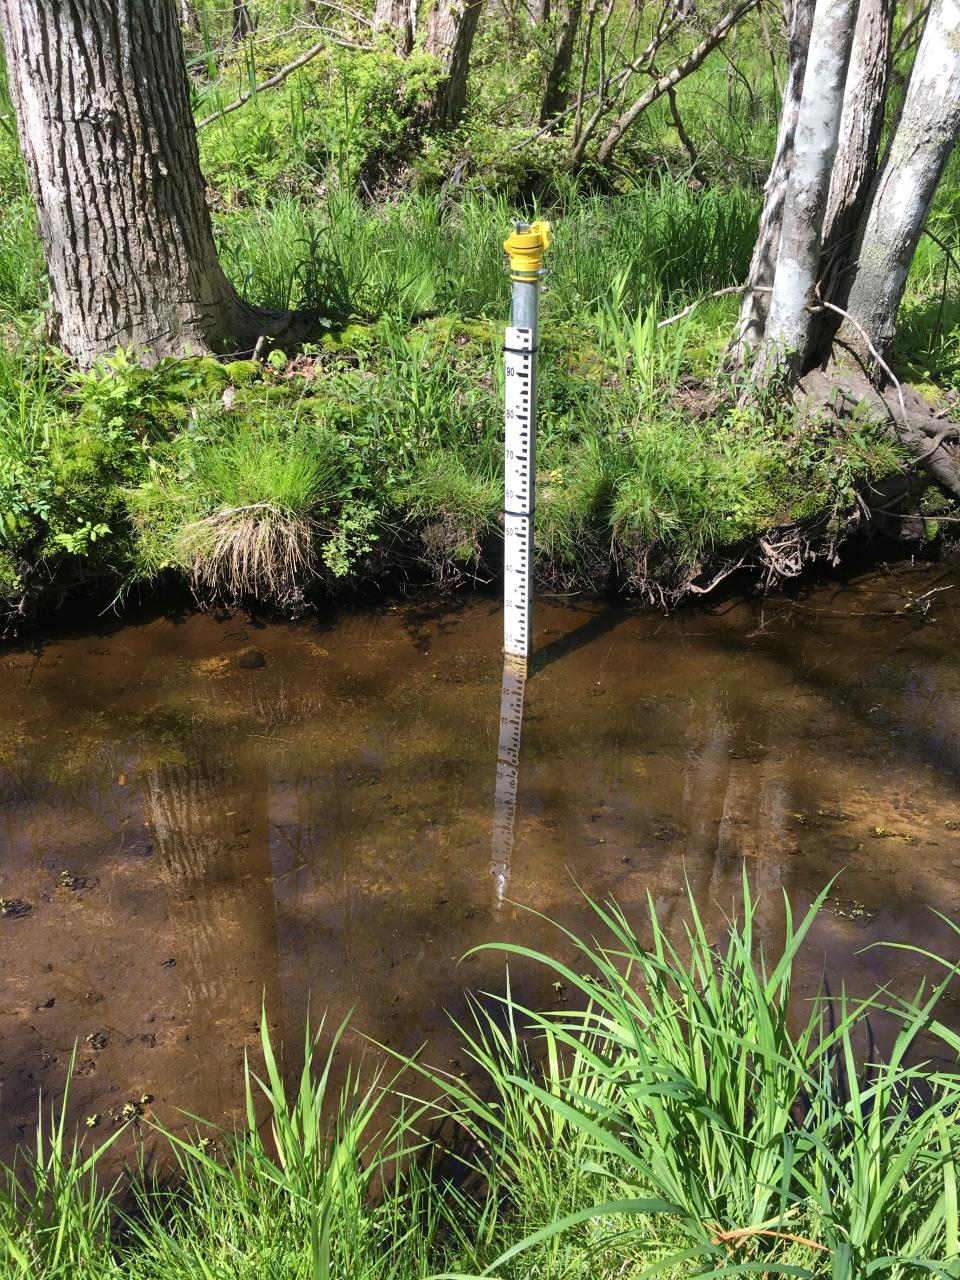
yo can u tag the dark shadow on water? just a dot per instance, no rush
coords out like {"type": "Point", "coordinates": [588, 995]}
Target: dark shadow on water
{"type": "Point", "coordinates": [593, 629]}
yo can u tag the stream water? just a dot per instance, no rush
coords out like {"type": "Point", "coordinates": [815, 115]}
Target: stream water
{"type": "Point", "coordinates": [202, 813]}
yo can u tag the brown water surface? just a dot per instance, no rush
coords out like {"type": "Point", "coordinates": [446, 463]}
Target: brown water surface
{"type": "Point", "coordinates": [198, 814]}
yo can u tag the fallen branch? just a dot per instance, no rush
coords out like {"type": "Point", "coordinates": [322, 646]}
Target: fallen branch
{"type": "Point", "coordinates": [684, 68]}
{"type": "Point", "coordinates": [716, 579]}
{"type": "Point", "coordinates": [605, 90]}
{"type": "Point", "coordinates": [881, 363]}
{"type": "Point", "coordinates": [280, 76]}
{"type": "Point", "coordinates": [717, 293]}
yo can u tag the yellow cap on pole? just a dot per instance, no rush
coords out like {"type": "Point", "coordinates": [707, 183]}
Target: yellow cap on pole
{"type": "Point", "coordinates": [526, 250]}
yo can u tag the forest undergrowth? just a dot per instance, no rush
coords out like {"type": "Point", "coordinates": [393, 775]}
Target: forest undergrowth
{"type": "Point", "coordinates": [371, 454]}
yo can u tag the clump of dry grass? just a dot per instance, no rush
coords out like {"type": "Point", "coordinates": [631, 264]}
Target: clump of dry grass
{"type": "Point", "coordinates": [257, 551]}
{"type": "Point", "coordinates": [250, 522]}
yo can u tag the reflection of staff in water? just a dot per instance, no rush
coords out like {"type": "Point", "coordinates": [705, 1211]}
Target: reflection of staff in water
{"type": "Point", "coordinates": [508, 761]}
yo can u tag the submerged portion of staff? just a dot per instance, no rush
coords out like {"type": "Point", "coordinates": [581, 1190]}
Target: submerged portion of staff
{"type": "Point", "coordinates": [512, 690]}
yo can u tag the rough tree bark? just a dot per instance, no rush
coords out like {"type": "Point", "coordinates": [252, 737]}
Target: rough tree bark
{"type": "Point", "coordinates": [396, 17]}
{"type": "Point", "coordinates": [920, 146]}
{"type": "Point", "coordinates": [756, 302]}
{"type": "Point", "coordinates": [450, 30]}
{"type": "Point", "coordinates": [103, 111]}
{"type": "Point", "coordinates": [555, 91]}
{"type": "Point", "coordinates": [789, 320]}
{"type": "Point", "coordinates": [848, 262]}
{"type": "Point", "coordinates": [538, 11]}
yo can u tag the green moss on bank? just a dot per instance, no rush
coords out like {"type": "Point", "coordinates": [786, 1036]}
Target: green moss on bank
{"type": "Point", "coordinates": [650, 478]}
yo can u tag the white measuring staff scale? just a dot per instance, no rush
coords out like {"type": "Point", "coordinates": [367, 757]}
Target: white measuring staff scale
{"type": "Point", "coordinates": [519, 489]}
{"type": "Point", "coordinates": [525, 249]}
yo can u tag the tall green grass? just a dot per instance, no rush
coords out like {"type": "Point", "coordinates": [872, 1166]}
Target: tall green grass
{"type": "Point", "coordinates": [684, 1112]}
{"type": "Point", "coordinates": [723, 1116]}
{"type": "Point", "coordinates": [55, 1214]}
{"type": "Point", "coordinates": [421, 253]}
{"type": "Point", "coordinates": [334, 1190]}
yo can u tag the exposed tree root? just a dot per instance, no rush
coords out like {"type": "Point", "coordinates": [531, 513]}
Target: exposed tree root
{"type": "Point", "coordinates": [930, 438]}
{"type": "Point", "coordinates": [768, 561]}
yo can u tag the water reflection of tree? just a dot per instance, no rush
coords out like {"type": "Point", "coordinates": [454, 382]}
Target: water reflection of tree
{"type": "Point", "coordinates": [736, 795]}
{"type": "Point", "coordinates": [209, 826]}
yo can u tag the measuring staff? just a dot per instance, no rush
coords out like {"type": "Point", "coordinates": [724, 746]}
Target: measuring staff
{"type": "Point", "coordinates": [525, 249]}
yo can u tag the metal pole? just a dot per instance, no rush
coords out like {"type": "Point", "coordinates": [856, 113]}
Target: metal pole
{"type": "Point", "coordinates": [525, 249]}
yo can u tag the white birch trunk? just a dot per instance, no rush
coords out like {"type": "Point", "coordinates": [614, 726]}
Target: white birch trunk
{"type": "Point", "coordinates": [789, 321]}
{"type": "Point", "coordinates": [756, 302]}
{"type": "Point", "coordinates": [926, 134]}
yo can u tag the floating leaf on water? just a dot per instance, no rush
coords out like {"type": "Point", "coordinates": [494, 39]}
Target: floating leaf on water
{"type": "Point", "coordinates": [14, 908]}
{"type": "Point", "coordinates": [74, 882]}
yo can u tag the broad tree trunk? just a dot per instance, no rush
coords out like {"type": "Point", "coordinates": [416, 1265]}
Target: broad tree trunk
{"type": "Point", "coordinates": [920, 146]}
{"type": "Point", "coordinates": [555, 92]}
{"type": "Point", "coordinates": [538, 11]}
{"type": "Point", "coordinates": [756, 302]}
{"type": "Point", "coordinates": [396, 16]}
{"type": "Point", "coordinates": [104, 118]}
{"type": "Point", "coordinates": [855, 165]}
{"type": "Point", "coordinates": [450, 30]}
{"type": "Point", "coordinates": [789, 321]}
